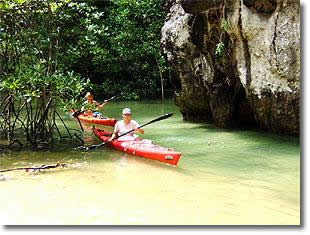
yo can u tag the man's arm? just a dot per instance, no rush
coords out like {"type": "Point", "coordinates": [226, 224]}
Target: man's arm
{"type": "Point", "coordinates": [114, 133]}
{"type": "Point", "coordinates": [100, 106]}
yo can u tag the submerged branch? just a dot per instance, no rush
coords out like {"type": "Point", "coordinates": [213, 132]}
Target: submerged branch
{"type": "Point", "coordinates": [43, 167]}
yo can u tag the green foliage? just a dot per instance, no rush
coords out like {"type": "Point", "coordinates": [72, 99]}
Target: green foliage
{"type": "Point", "coordinates": [133, 44]}
{"type": "Point", "coordinates": [50, 48]}
{"type": "Point", "coordinates": [219, 49]}
{"type": "Point", "coordinates": [31, 82]}
{"type": "Point", "coordinates": [116, 44]}
{"type": "Point", "coordinates": [32, 99]}
{"type": "Point", "coordinates": [82, 36]}
{"type": "Point", "coordinates": [226, 25]}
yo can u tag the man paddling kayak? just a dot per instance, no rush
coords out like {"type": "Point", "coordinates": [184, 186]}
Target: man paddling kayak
{"type": "Point", "coordinates": [126, 125]}
{"type": "Point", "coordinates": [90, 105]}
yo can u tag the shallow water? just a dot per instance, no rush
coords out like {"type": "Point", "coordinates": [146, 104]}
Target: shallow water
{"type": "Point", "coordinates": [224, 177]}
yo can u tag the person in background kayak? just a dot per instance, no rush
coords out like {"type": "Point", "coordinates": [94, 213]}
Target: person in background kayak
{"type": "Point", "coordinates": [125, 125]}
{"type": "Point", "coordinates": [91, 105]}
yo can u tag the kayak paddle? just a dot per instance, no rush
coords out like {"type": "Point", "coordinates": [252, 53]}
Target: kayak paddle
{"type": "Point", "coordinates": [162, 117]}
{"type": "Point", "coordinates": [112, 98]}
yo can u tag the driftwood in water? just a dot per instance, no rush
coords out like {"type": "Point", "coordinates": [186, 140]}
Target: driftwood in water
{"type": "Point", "coordinates": [37, 168]}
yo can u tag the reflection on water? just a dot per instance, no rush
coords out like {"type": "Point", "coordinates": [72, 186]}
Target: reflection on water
{"type": "Point", "coordinates": [223, 177]}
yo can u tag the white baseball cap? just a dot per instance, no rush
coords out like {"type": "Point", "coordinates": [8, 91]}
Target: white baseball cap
{"type": "Point", "coordinates": [126, 111]}
{"type": "Point", "coordinates": [88, 94]}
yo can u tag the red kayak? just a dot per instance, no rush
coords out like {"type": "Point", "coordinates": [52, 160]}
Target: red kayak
{"type": "Point", "coordinates": [99, 121]}
{"type": "Point", "coordinates": [141, 148]}
{"type": "Point", "coordinates": [89, 118]}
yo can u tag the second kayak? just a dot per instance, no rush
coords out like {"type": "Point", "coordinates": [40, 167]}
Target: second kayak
{"type": "Point", "coordinates": [99, 121]}
{"type": "Point", "coordinates": [89, 118]}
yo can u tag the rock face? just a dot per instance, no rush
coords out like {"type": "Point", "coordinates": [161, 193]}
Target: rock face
{"type": "Point", "coordinates": [238, 61]}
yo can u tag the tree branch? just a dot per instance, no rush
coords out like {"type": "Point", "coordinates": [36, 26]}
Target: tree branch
{"type": "Point", "coordinates": [43, 167]}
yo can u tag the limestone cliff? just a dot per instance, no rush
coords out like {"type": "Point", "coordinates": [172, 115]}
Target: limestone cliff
{"type": "Point", "coordinates": [238, 61]}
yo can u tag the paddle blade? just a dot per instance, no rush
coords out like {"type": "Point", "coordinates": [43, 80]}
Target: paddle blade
{"type": "Point", "coordinates": [90, 147]}
{"type": "Point", "coordinates": [81, 148]}
{"type": "Point", "coordinates": [165, 116]}
{"type": "Point", "coordinates": [76, 113]}
{"type": "Point", "coordinates": [113, 97]}
{"type": "Point", "coordinates": [95, 146]}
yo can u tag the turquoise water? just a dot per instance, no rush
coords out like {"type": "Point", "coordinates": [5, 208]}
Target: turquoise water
{"type": "Point", "coordinates": [223, 177]}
